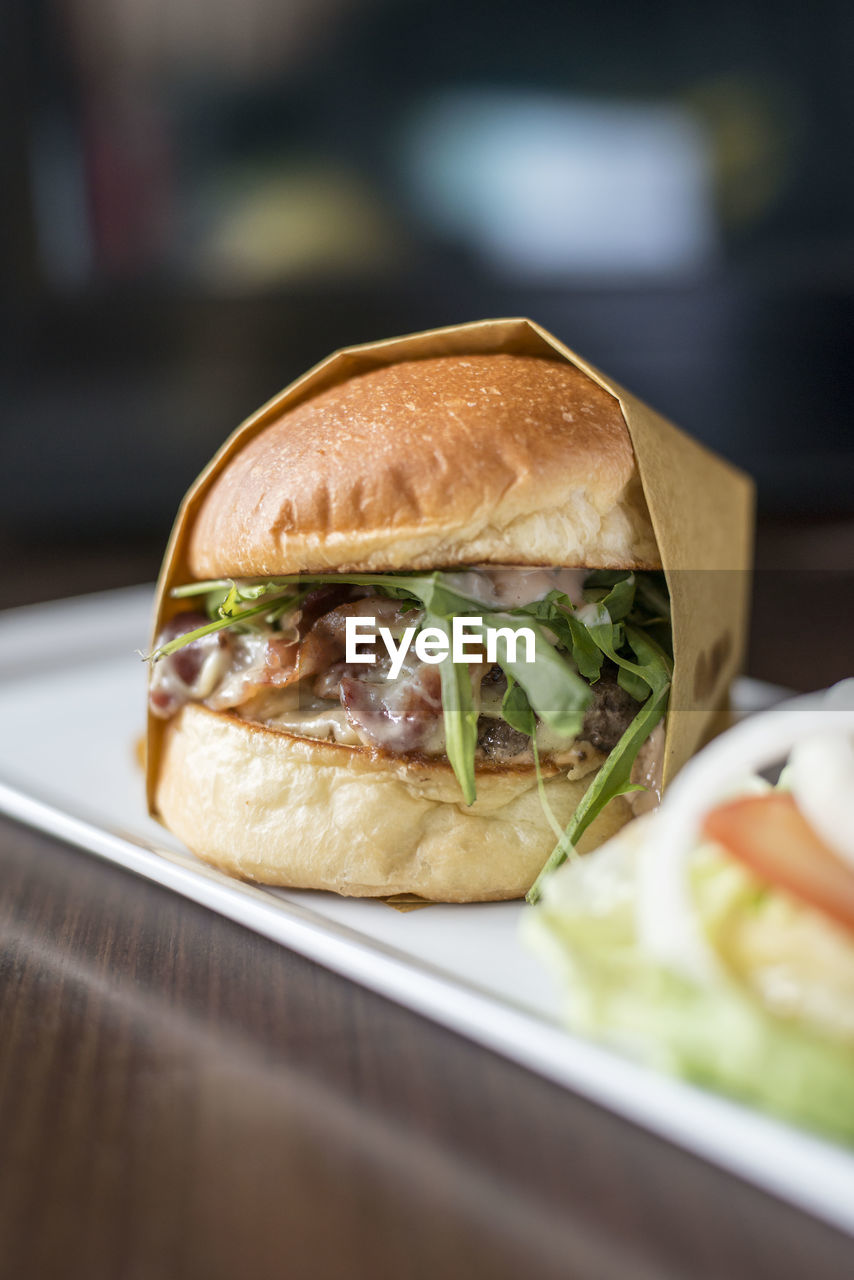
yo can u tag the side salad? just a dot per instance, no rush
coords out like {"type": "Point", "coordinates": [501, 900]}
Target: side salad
{"type": "Point", "coordinates": [715, 937]}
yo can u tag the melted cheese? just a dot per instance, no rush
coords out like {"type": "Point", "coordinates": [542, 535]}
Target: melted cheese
{"type": "Point", "coordinates": [304, 716]}
{"type": "Point", "coordinates": [246, 668]}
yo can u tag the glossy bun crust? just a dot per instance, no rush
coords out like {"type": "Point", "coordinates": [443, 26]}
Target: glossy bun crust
{"type": "Point", "coordinates": [281, 810]}
{"type": "Point", "coordinates": [475, 459]}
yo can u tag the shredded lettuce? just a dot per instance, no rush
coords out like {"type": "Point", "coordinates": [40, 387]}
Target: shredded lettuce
{"type": "Point", "coordinates": [740, 1032]}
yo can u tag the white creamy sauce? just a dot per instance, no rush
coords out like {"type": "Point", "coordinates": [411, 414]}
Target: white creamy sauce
{"type": "Point", "coordinates": [302, 715]}
{"type": "Point", "coordinates": [296, 711]}
{"type": "Point", "coordinates": [167, 683]}
{"type": "Point", "coordinates": [509, 588]}
{"type": "Point", "coordinates": [245, 668]}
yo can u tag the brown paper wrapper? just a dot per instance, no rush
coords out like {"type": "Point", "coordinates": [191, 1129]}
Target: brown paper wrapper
{"type": "Point", "coordinates": [701, 509]}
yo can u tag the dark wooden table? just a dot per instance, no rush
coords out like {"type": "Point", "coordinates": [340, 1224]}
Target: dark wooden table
{"type": "Point", "coordinates": [181, 1098]}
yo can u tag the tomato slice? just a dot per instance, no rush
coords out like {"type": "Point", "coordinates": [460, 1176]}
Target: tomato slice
{"type": "Point", "coordinates": [770, 835]}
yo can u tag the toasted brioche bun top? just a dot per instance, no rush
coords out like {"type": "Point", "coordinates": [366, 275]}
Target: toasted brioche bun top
{"type": "Point", "coordinates": [474, 459]}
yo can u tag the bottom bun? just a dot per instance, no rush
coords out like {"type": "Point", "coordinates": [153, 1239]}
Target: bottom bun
{"type": "Point", "coordinates": [271, 807]}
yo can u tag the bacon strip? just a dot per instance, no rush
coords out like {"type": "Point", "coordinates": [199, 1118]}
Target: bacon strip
{"type": "Point", "coordinates": [397, 717]}
{"type": "Point", "coordinates": [176, 678]}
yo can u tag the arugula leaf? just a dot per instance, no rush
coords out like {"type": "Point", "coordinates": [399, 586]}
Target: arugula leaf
{"type": "Point", "coordinates": [230, 615]}
{"type": "Point", "coordinates": [429, 588]}
{"type": "Point", "coordinates": [617, 600]}
{"type": "Point", "coordinates": [555, 691]}
{"type": "Point", "coordinates": [585, 652]}
{"type": "Point", "coordinates": [564, 847]}
{"type": "Point", "coordinates": [230, 606]}
{"type": "Point", "coordinates": [230, 586]}
{"type": "Point", "coordinates": [606, 578]}
{"type": "Point", "coordinates": [556, 611]}
{"type": "Point", "coordinates": [516, 709]}
{"type": "Point", "coordinates": [189, 589]}
{"type": "Point", "coordinates": [459, 712]}
{"type": "Point", "coordinates": [519, 715]}
{"type": "Point", "coordinates": [650, 609]}
{"type": "Point", "coordinates": [213, 601]}
{"type": "Point", "coordinates": [609, 639]}
{"type": "Point", "coordinates": [219, 624]}
{"type": "Point", "coordinates": [651, 598]}
{"type": "Point", "coordinates": [614, 777]}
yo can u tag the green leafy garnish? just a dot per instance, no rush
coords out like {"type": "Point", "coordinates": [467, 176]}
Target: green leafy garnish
{"type": "Point", "coordinates": [554, 689]}
{"type": "Point", "coordinates": [550, 686]}
{"type": "Point", "coordinates": [430, 589]}
{"type": "Point", "coordinates": [556, 611]}
{"type": "Point", "coordinates": [517, 711]}
{"type": "Point", "coordinates": [459, 714]}
{"type": "Point", "coordinates": [224, 601]}
{"type": "Point", "coordinates": [230, 589]}
{"type": "Point", "coordinates": [219, 624]}
{"type": "Point", "coordinates": [617, 596]}
{"type": "Point", "coordinates": [609, 638]}
{"type": "Point", "coordinates": [614, 777]}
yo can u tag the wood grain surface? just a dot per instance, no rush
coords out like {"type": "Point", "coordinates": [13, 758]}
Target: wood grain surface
{"type": "Point", "coordinates": [179, 1097]}
{"type": "Point", "coordinates": [182, 1098]}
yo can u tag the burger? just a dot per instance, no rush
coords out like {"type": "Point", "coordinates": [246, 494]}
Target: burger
{"type": "Point", "coordinates": [314, 723]}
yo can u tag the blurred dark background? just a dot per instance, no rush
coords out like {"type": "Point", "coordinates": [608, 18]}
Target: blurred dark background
{"type": "Point", "coordinates": [203, 197]}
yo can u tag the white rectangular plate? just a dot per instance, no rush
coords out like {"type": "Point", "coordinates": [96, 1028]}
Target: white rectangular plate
{"type": "Point", "coordinates": [72, 698]}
